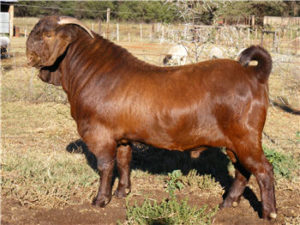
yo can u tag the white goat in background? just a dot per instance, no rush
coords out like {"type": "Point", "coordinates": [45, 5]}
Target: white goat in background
{"type": "Point", "coordinates": [216, 52]}
{"type": "Point", "coordinates": [176, 55]}
{"type": "Point", "coordinates": [4, 45]}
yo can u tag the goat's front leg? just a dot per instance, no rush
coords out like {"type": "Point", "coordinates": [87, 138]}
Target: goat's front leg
{"type": "Point", "coordinates": [105, 166]}
{"type": "Point", "coordinates": [105, 151]}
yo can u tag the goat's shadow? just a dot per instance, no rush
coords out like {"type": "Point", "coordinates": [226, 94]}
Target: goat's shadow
{"type": "Point", "coordinates": [159, 161]}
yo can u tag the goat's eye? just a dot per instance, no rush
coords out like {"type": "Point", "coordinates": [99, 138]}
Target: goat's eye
{"type": "Point", "coordinates": [48, 35]}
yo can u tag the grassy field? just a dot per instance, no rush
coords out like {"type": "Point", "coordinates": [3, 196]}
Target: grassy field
{"type": "Point", "coordinates": [49, 177]}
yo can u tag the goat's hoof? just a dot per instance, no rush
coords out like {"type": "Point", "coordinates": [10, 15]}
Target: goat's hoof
{"type": "Point", "coordinates": [122, 193]}
{"type": "Point", "coordinates": [101, 202]}
{"type": "Point", "coordinates": [273, 215]}
{"type": "Point", "coordinates": [225, 204]}
{"type": "Point", "coordinates": [235, 204]}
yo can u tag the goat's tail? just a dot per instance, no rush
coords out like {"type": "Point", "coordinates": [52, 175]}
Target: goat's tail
{"type": "Point", "coordinates": [263, 58]}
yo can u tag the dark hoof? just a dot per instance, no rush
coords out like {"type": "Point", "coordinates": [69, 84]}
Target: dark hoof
{"type": "Point", "coordinates": [101, 202]}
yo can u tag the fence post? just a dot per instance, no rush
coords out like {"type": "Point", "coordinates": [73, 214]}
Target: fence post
{"type": "Point", "coordinates": [162, 34]}
{"type": "Point", "coordinates": [118, 38]}
{"type": "Point", "coordinates": [252, 21]}
{"type": "Point", "coordinates": [25, 32]}
{"type": "Point", "coordinates": [99, 27]}
{"type": "Point", "coordinates": [150, 35]}
{"type": "Point", "coordinates": [11, 20]}
{"type": "Point", "coordinates": [262, 38]}
{"type": "Point", "coordinates": [153, 30]}
{"type": "Point", "coordinates": [255, 34]}
{"type": "Point", "coordinates": [141, 32]}
{"type": "Point", "coordinates": [107, 22]}
{"type": "Point", "coordinates": [108, 15]}
{"type": "Point", "coordinates": [248, 34]}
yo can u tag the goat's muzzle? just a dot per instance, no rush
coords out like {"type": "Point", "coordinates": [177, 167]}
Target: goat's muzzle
{"type": "Point", "coordinates": [33, 60]}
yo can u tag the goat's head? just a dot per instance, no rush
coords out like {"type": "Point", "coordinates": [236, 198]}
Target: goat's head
{"type": "Point", "coordinates": [167, 59]}
{"type": "Point", "coordinates": [47, 43]}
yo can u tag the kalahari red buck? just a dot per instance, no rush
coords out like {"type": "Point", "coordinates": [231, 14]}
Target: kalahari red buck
{"type": "Point", "coordinates": [116, 100]}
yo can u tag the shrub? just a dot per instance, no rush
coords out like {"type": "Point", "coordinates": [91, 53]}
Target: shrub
{"type": "Point", "coordinates": [283, 164]}
{"type": "Point", "coordinates": [170, 210]}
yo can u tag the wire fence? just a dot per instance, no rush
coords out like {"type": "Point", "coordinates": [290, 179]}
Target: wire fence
{"type": "Point", "coordinates": [282, 40]}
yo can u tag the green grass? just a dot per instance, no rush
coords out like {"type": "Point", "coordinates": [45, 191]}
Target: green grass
{"type": "Point", "coordinates": [170, 210]}
{"type": "Point", "coordinates": [283, 164]}
{"type": "Point", "coordinates": [176, 180]}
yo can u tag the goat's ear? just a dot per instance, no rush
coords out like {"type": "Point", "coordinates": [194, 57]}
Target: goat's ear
{"type": "Point", "coordinates": [57, 43]}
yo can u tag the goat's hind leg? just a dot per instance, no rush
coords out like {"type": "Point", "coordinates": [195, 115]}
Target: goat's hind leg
{"type": "Point", "coordinates": [124, 153]}
{"type": "Point", "coordinates": [252, 158]}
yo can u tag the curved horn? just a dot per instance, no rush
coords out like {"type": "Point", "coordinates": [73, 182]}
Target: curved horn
{"type": "Point", "coordinates": [71, 20]}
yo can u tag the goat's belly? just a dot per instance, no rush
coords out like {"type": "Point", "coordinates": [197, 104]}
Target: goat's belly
{"type": "Point", "coordinates": [181, 139]}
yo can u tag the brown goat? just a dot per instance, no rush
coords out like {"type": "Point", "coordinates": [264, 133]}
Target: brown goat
{"type": "Point", "coordinates": [117, 99]}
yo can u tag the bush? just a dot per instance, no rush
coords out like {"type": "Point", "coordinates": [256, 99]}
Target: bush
{"type": "Point", "coordinates": [170, 210]}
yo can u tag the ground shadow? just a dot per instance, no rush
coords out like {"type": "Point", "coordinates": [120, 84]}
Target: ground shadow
{"type": "Point", "coordinates": [285, 108]}
{"type": "Point", "coordinates": [159, 161]}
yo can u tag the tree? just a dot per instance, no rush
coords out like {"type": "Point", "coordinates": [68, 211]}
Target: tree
{"type": "Point", "coordinates": [234, 10]}
{"type": "Point", "coordinates": [196, 12]}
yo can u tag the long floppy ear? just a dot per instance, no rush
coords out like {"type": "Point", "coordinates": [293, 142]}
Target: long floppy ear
{"type": "Point", "coordinates": [57, 43]}
{"type": "Point", "coordinates": [59, 40]}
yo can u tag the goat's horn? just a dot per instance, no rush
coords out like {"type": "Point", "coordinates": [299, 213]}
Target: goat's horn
{"type": "Point", "coordinates": [71, 20]}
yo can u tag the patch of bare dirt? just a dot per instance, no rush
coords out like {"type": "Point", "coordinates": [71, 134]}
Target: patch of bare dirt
{"type": "Point", "coordinates": [15, 214]}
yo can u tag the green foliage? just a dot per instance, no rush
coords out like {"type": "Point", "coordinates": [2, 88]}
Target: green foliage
{"type": "Point", "coordinates": [156, 11]}
{"type": "Point", "coordinates": [124, 11]}
{"type": "Point", "coordinates": [174, 182]}
{"type": "Point", "coordinates": [245, 9]}
{"type": "Point", "coordinates": [177, 181]}
{"type": "Point", "coordinates": [197, 181]}
{"type": "Point", "coordinates": [237, 11]}
{"type": "Point", "coordinates": [169, 211]}
{"type": "Point", "coordinates": [283, 164]}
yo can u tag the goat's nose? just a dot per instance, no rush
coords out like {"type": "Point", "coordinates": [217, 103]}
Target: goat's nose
{"type": "Point", "coordinates": [32, 59]}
